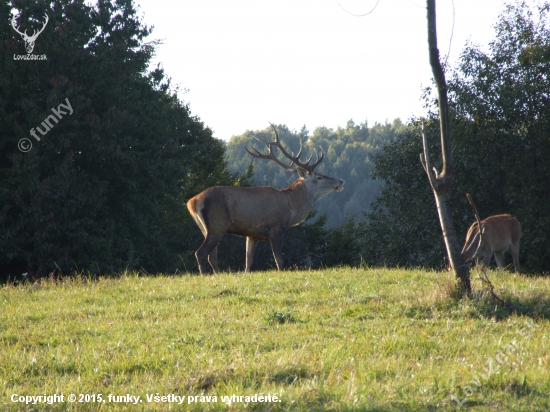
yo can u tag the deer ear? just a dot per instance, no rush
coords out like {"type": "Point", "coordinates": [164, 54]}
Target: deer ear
{"type": "Point", "coordinates": [302, 172]}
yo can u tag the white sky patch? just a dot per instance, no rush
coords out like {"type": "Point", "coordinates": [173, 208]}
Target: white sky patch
{"type": "Point", "coordinates": [296, 62]}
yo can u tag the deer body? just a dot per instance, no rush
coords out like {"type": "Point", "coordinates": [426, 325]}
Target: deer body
{"type": "Point", "coordinates": [500, 233]}
{"type": "Point", "coordinates": [258, 213]}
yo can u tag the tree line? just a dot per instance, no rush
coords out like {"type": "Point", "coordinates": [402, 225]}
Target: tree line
{"type": "Point", "coordinates": [349, 155]}
{"type": "Point", "coordinates": [105, 189]}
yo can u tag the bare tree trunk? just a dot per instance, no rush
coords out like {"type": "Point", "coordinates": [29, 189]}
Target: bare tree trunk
{"type": "Point", "coordinates": [441, 182]}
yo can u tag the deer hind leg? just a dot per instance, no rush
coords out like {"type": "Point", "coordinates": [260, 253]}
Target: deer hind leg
{"type": "Point", "coordinates": [276, 240]}
{"type": "Point", "coordinates": [499, 258]}
{"type": "Point", "coordinates": [208, 251]}
{"type": "Point", "coordinates": [214, 222]}
{"type": "Point", "coordinates": [213, 259]}
{"type": "Point", "coordinates": [251, 246]}
{"type": "Point", "coordinates": [514, 249]}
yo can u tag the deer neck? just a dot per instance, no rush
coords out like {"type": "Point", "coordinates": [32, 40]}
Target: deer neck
{"type": "Point", "coordinates": [300, 201]}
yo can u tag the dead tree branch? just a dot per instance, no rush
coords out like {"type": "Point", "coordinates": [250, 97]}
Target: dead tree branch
{"type": "Point", "coordinates": [440, 182]}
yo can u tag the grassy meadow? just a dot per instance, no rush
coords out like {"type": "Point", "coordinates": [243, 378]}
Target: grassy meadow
{"type": "Point", "coordinates": [332, 340]}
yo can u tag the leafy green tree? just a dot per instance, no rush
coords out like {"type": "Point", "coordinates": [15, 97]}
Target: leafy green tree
{"type": "Point", "coordinates": [502, 101]}
{"type": "Point", "coordinates": [400, 230]}
{"type": "Point", "coordinates": [105, 188]}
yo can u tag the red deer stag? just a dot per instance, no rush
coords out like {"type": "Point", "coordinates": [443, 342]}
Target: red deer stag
{"type": "Point", "coordinates": [500, 232]}
{"type": "Point", "coordinates": [259, 213]}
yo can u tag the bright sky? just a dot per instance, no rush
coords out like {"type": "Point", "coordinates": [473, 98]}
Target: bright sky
{"type": "Point", "coordinates": [296, 62]}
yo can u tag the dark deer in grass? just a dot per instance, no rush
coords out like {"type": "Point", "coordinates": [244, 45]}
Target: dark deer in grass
{"type": "Point", "coordinates": [259, 213]}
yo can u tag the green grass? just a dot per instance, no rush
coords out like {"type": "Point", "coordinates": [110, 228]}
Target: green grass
{"type": "Point", "coordinates": [336, 339]}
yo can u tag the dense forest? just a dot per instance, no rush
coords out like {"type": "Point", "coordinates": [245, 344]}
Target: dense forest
{"type": "Point", "coordinates": [106, 189]}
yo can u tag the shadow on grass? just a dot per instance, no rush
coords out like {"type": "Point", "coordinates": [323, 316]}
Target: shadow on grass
{"type": "Point", "coordinates": [535, 306]}
{"type": "Point", "coordinates": [290, 375]}
{"type": "Point", "coordinates": [485, 302]}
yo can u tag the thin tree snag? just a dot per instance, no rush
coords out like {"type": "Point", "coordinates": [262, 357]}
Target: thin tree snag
{"type": "Point", "coordinates": [481, 228]}
{"type": "Point", "coordinates": [443, 103]}
{"type": "Point", "coordinates": [441, 182]}
{"type": "Point", "coordinates": [425, 159]}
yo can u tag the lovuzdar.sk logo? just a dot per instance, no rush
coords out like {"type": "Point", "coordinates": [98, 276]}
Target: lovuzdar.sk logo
{"type": "Point", "coordinates": [29, 40]}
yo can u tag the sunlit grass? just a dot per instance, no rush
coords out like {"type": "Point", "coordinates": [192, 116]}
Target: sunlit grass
{"type": "Point", "coordinates": [337, 339]}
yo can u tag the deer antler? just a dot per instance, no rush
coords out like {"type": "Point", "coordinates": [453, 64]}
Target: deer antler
{"type": "Point", "coordinates": [295, 159]}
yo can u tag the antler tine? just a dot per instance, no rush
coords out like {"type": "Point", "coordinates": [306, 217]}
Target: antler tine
{"type": "Point", "coordinates": [300, 151]}
{"type": "Point", "coordinates": [308, 160]}
{"type": "Point", "coordinates": [278, 144]}
{"type": "Point", "coordinates": [295, 159]}
{"type": "Point", "coordinates": [276, 134]}
{"type": "Point", "coordinates": [259, 155]}
{"type": "Point", "coordinates": [319, 159]}
{"type": "Point", "coordinates": [257, 138]}
{"type": "Point", "coordinates": [270, 155]}
{"type": "Point", "coordinates": [267, 144]}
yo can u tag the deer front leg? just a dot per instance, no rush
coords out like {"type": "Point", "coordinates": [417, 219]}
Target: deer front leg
{"type": "Point", "coordinates": [514, 249]}
{"type": "Point", "coordinates": [251, 246]}
{"type": "Point", "coordinates": [485, 259]}
{"type": "Point", "coordinates": [276, 240]}
{"type": "Point", "coordinates": [499, 258]}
